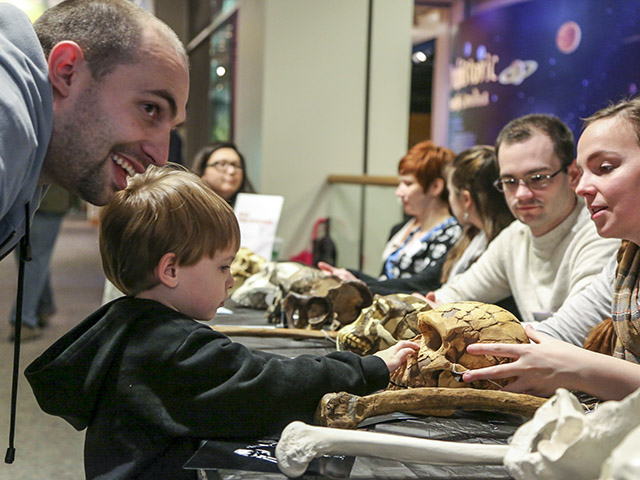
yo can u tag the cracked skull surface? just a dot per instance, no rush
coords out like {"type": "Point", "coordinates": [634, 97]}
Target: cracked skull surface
{"type": "Point", "coordinates": [446, 332]}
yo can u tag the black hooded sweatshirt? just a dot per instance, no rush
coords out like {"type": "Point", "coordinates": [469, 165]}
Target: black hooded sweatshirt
{"type": "Point", "coordinates": [148, 383]}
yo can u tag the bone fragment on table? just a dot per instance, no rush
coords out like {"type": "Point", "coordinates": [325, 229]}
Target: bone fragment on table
{"type": "Point", "coordinates": [561, 441]}
{"type": "Point", "coordinates": [300, 443]}
{"type": "Point", "coordinates": [344, 410]}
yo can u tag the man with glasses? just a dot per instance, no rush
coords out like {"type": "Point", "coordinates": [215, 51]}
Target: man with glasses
{"type": "Point", "coordinates": [553, 251]}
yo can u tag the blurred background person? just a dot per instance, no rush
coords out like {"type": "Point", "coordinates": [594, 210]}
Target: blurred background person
{"type": "Point", "coordinates": [223, 168]}
{"type": "Point", "coordinates": [38, 303]}
{"type": "Point", "coordinates": [418, 245]}
{"type": "Point", "coordinates": [481, 210]}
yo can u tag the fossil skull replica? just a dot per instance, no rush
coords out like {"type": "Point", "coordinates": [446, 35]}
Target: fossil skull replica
{"type": "Point", "coordinates": [446, 332]}
{"type": "Point", "coordinates": [561, 441]}
{"type": "Point", "coordinates": [261, 288]}
{"type": "Point", "coordinates": [314, 302]}
{"type": "Point", "coordinates": [284, 277]}
{"type": "Point", "coordinates": [244, 265]}
{"type": "Point", "coordinates": [387, 320]}
{"type": "Point", "coordinates": [256, 291]}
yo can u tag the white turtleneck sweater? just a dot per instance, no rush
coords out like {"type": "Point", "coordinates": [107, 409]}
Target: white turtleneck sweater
{"type": "Point", "coordinates": [540, 272]}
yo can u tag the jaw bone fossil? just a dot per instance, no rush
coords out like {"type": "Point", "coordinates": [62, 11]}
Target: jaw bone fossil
{"type": "Point", "coordinates": [344, 410]}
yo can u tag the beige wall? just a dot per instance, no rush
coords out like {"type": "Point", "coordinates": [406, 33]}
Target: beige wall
{"type": "Point", "coordinates": [300, 112]}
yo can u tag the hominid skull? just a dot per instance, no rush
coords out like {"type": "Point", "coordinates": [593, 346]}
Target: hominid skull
{"type": "Point", "coordinates": [262, 287]}
{"type": "Point", "coordinates": [446, 332]}
{"type": "Point", "coordinates": [284, 276]}
{"type": "Point", "coordinates": [389, 319]}
{"type": "Point", "coordinates": [312, 303]}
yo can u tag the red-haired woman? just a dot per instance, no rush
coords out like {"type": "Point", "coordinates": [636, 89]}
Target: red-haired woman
{"type": "Point", "coordinates": [419, 244]}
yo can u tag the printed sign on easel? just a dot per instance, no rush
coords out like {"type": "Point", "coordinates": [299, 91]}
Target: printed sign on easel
{"type": "Point", "coordinates": [258, 216]}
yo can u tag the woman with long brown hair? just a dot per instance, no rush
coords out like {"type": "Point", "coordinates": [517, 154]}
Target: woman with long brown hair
{"type": "Point", "coordinates": [480, 209]}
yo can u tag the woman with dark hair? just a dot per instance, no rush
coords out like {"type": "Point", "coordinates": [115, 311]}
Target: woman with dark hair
{"type": "Point", "coordinates": [417, 248]}
{"type": "Point", "coordinates": [480, 209]}
{"type": "Point", "coordinates": [223, 168]}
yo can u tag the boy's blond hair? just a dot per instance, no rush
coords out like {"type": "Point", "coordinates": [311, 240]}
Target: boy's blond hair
{"type": "Point", "coordinates": [163, 210]}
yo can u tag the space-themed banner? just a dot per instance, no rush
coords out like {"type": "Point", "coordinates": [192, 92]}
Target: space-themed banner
{"type": "Point", "coordinates": [564, 57]}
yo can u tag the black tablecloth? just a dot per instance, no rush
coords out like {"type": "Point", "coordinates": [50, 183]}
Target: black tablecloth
{"type": "Point", "coordinates": [255, 458]}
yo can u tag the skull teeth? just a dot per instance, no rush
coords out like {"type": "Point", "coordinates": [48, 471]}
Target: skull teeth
{"type": "Point", "coordinates": [349, 341]}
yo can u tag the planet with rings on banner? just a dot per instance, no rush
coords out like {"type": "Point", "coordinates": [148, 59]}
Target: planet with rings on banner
{"type": "Point", "coordinates": [568, 37]}
{"type": "Point", "coordinates": [517, 71]}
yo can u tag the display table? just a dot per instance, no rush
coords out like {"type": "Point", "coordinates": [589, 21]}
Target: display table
{"type": "Point", "coordinates": [255, 458]}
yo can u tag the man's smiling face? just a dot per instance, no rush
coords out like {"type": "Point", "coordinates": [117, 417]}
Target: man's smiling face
{"type": "Point", "coordinates": [118, 125]}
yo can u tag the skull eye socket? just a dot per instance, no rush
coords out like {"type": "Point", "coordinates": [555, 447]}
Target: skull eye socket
{"type": "Point", "coordinates": [317, 311]}
{"type": "Point", "coordinates": [432, 338]}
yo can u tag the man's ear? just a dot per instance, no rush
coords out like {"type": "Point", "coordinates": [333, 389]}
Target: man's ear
{"type": "Point", "coordinates": [167, 270]}
{"type": "Point", "coordinates": [65, 60]}
{"type": "Point", "coordinates": [574, 174]}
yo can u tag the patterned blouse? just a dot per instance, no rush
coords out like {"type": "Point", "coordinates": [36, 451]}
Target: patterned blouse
{"type": "Point", "coordinates": [406, 258]}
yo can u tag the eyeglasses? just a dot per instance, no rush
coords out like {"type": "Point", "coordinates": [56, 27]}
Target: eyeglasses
{"type": "Point", "coordinates": [222, 165]}
{"type": "Point", "coordinates": [537, 181]}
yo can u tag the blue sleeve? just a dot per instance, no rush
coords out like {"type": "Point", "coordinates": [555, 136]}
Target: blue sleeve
{"type": "Point", "coordinates": [26, 116]}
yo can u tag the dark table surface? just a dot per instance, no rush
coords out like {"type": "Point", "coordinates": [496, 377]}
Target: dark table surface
{"type": "Point", "coordinates": [255, 458]}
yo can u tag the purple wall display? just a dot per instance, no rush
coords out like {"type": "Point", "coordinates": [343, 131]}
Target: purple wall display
{"type": "Point", "coordinates": [563, 57]}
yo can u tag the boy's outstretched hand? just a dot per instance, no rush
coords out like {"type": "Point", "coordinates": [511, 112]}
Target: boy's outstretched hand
{"type": "Point", "coordinates": [396, 355]}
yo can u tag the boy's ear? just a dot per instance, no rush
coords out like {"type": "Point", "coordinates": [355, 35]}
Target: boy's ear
{"type": "Point", "coordinates": [167, 270]}
{"type": "Point", "coordinates": [65, 60]}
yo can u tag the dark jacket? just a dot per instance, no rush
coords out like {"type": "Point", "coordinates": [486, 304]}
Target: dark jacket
{"type": "Point", "coordinates": [148, 383]}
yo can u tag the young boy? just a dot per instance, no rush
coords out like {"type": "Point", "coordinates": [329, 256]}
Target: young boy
{"type": "Point", "coordinates": [144, 378]}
